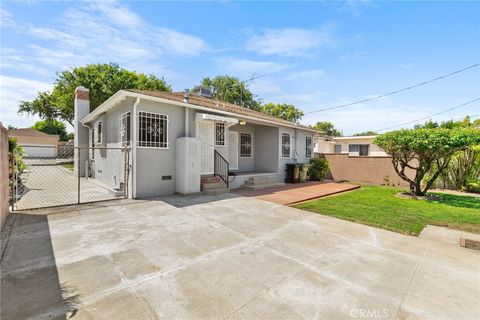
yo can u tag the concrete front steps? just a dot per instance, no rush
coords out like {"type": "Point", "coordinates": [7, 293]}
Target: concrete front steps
{"type": "Point", "coordinates": [213, 185]}
{"type": "Point", "coordinates": [262, 182]}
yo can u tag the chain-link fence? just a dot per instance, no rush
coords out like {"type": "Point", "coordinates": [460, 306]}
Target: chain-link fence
{"type": "Point", "coordinates": [46, 176]}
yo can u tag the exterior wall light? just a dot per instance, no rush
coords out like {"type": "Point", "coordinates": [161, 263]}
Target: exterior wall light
{"type": "Point", "coordinates": [242, 123]}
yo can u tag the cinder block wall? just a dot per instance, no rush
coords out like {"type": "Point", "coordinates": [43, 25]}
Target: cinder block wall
{"type": "Point", "coordinates": [375, 170]}
{"type": "Point", "coordinates": [3, 174]}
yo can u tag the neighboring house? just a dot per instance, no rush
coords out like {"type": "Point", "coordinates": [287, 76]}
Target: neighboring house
{"type": "Point", "coordinates": [35, 144]}
{"type": "Point", "coordinates": [178, 138]}
{"type": "Point", "coordinates": [353, 146]}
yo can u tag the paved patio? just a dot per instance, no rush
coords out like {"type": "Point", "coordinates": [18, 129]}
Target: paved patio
{"type": "Point", "coordinates": [226, 257]}
{"type": "Point", "coordinates": [293, 193]}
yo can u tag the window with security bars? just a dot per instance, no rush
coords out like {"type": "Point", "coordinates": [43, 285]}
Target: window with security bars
{"type": "Point", "coordinates": [125, 129]}
{"type": "Point", "coordinates": [152, 130]}
{"type": "Point", "coordinates": [245, 145]}
{"type": "Point", "coordinates": [219, 134]}
{"type": "Point", "coordinates": [308, 146]}
{"type": "Point", "coordinates": [285, 145]}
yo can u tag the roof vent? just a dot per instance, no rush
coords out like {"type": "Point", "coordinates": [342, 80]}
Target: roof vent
{"type": "Point", "coordinates": [186, 96]}
{"type": "Point", "coordinates": [203, 91]}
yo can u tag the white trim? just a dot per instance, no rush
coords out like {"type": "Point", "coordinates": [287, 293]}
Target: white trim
{"type": "Point", "coordinates": [122, 95]}
{"type": "Point", "coordinates": [281, 145]}
{"type": "Point", "coordinates": [240, 145]}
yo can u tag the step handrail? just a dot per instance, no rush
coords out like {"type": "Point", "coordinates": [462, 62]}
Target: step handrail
{"type": "Point", "coordinates": [221, 167]}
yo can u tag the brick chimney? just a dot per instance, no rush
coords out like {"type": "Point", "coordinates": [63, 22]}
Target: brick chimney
{"type": "Point", "coordinates": [81, 109]}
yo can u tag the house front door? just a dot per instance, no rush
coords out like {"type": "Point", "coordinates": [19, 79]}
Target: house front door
{"type": "Point", "coordinates": [205, 132]}
{"type": "Point", "coordinates": [233, 149]}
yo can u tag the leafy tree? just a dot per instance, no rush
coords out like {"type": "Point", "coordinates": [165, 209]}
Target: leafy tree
{"type": "Point", "coordinates": [283, 110]}
{"type": "Point", "coordinates": [424, 149]}
{"type": "Point", "coordinates": [103, 80]}
{"type": "Point", "coordinates": [327, 128]}
{"type": "Point", "coordinates": [52, 126]}
{"type": "Point", "coordinates": [231, 89]}
{"type": "Point", "coordinates": [366, 133]}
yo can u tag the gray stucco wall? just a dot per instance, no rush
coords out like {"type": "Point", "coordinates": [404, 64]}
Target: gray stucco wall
{"type": "Point", "coordinates": [155, 163]}
{"type": "Point", "coordinates": [245, 164]}
{"type": "Point", "coordinates": [266, 153]}
{"type": "Point", "coordinates": [109, 163]}
{"type": "Point", "coordinates": [298, 143]}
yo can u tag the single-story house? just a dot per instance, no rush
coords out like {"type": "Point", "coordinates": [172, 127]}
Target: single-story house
{"type": "Point", "coordinates": [35, 144]}
{"type": "Point", "coordinates": [362, 146]}
{"type": "Point", "coordinates": [179, 141]}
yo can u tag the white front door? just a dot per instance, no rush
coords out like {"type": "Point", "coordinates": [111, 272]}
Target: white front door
{"type": "Point", "coordinates": [233, 149]}
{"type": "Point", "coordinates": [205, 132]}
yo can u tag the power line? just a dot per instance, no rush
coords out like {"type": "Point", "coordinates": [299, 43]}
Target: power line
{"type": "Point", "coordinates": [396, 91]}
{"type": "Point", "coordinates": [430, 116]}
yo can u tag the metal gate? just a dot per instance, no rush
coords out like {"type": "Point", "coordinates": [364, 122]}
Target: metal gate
{"type": "Point", "coordinates": [47, 176]}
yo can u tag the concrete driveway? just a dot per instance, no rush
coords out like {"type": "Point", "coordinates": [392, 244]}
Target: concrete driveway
{"type": "Point", "coordinates": [50, 184]}
{"type": "Point", "coordinates": [226, 257]}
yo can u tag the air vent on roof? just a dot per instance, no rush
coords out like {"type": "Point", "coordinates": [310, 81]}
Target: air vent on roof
{"type": "Point", "coordinates": [203, 91]}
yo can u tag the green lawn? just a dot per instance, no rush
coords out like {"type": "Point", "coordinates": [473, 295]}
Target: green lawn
{"type": "Point", "coordinates": [69, 166]}
{"type": "Point", "coordinates": [377, 206]}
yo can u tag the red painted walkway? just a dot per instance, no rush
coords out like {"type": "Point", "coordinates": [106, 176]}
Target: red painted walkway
{"type": "Point", "coordinates": [299, 192]}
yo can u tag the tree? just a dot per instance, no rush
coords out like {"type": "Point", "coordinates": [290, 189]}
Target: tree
{"type": "Point", "coordinates": [103, 80]}
{"type": "Point", "coordinates": [283, 110]}
{"type": "Point", "coordinates": [365, 133]}
{"type": "Point", "coordinates": [52, 126]}
{"type": "Point", "coordinates": [424, 149]}
{"type": "Point", "coordinates": [231, 89]}
{"type": "Point", "coordinates": [327, 128]}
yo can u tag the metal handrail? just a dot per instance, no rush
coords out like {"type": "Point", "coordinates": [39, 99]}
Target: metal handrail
{"type": "Point", "coordinates": [221, 167]}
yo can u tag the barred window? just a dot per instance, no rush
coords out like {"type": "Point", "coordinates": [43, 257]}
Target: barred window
{"type": "Point", "coordinates": [308, 146]}
{"type": "Point", "coordinates": [245, 145]}
{"type": "Point", "coordinates": [219, 134]}
{"type": "Point", "coordinates": [125, 129]}
{"type": "Point", "coordinates": [98, 138]}
{"type": "Point", "coordinates": [338, 148]}
{"type": "Point", "coordinates": [152, 130]}
{"type": "Point", "coordinates": [285, 145]}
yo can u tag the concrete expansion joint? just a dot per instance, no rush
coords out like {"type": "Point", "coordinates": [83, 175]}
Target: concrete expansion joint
{"type": "Point", "coordinates": [417, 265]}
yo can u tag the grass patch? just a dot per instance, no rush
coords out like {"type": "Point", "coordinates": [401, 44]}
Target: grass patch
{"type": "Point", "coordinates": [377, 206]}
{"type": "Point", "coordinates": [69, 166]}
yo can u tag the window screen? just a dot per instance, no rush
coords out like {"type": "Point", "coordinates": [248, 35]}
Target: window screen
{"type": "Point", "coordinates": [285, 145]}
{"type": "Point", "coordinates": [245, 145]}
{"type": "Point", "coordinates": [152, 130]}
{"type": "Point", "coordinates": [338, 148]}
{"type": "Point", "coordinates": [308, 147]}
{"type": "Point", "coordinates": [99, 132]}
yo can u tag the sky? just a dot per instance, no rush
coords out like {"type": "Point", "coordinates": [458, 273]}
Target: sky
{"type": "Point", "coordinates": [312, 54]}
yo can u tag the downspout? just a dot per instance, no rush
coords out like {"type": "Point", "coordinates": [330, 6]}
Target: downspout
{"type": "Point", "coordinates": [134, 148]}
{"type": "Point", "coordinates": [186, 123]}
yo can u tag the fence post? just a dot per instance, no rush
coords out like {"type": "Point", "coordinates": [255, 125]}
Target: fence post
{"type": "Point", "coordinates": [125, 173]}
{"type": "Point", "coordinates": [78, 174]}
{"type": "Point", "coordinates": [12, 163]}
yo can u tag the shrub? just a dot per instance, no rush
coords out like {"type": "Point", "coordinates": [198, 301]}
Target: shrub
{"type": "Point", "coordinates": [318, 169]}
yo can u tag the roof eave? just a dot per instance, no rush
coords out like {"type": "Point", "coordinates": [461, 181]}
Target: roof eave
{"type": "Point", "coordinates": [122, 94]}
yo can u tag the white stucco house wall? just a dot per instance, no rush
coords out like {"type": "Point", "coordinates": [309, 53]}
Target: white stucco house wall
{"type": "Point", "coordinates": [353, 146]}
{"type": "Point", "coordinates": [175, 139]}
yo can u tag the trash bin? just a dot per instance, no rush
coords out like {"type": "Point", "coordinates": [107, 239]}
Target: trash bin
{"type": "Point", "coordinates": [293, 172]}
{"type": "Point", "coordinates": [303, 172]}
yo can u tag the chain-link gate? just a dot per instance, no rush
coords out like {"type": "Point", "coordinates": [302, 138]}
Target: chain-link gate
{"type": "Point", "coordinates": [44, 176]}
